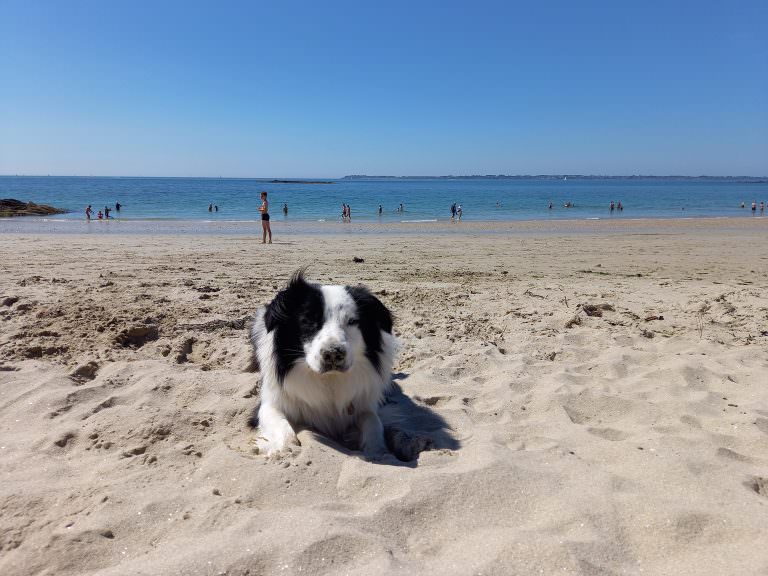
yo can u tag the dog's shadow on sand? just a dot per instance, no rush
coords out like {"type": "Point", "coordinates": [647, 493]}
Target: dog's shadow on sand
{"type": "Point", "coordinates": [410, 428]}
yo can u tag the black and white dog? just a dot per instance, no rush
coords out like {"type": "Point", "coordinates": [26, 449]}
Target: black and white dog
{"type": "Point", "coordinates": [326, 355]}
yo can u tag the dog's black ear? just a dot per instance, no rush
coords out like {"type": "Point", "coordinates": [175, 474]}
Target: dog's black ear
{"type": "Point", "coordinates": [278, 309]}
{"type": "Point", "coordinates": [372, 319]}
{"type": "Point", "coordinates": [371, 307]}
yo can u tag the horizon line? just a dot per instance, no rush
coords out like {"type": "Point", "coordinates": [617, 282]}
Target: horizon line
{"type": "Point", "coordinates": [381, 176]}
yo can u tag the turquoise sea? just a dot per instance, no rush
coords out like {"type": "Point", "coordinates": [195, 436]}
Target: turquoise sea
{"type": "Point", "coordinates": [187, 199]}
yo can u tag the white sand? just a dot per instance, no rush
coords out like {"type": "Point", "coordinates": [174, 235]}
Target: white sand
{"type": "Point", "coordinates": [616, 446]}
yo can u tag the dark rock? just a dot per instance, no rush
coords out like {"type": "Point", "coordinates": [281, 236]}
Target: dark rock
{"type": "Point", "coordinates": [11, 207]}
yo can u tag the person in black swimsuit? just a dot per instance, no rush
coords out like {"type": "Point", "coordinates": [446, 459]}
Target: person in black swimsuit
{"type": "Point", "coordinates": [264, 209]}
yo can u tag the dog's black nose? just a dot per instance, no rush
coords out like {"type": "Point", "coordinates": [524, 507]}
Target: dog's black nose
{"type": "Point", "coordinates": [333, 358]}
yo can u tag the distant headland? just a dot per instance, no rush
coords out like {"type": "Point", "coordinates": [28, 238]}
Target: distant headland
{"type": "Point", "coordinates": [749, 179]}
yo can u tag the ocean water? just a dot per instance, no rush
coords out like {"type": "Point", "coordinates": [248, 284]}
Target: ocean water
{"type": "Point", "coordinates": [187, 199]}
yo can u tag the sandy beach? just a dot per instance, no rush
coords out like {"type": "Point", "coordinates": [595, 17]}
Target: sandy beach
{"type": "Point", "coordinates": [597, 396]}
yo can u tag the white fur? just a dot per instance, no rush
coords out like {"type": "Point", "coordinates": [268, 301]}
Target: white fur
{"type": "Point", "coordinates": [333, 402]}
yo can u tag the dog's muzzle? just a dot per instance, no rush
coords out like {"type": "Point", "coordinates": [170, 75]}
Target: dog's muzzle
{"type": "Point", "coordinates": [334, 359]}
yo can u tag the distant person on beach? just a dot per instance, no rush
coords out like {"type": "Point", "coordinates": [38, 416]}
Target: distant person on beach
{"type": "Point", "coordinates": [380, 209]}
{"type": "Point", "coordinates": [613, 206]}
{"type": "Point", "coordinates": [742, 204]}
{"type": "Point", "coordinates": [619, 207]}
{"type": "Point", "coordinates": [264, 209]}
{"type": "Point", "coordinates": [459, 212]}
{"type": "Point", "coordinates": [100, 215]}
{"type": "Point", "coordinates": [754, 206]}
{"type": "Point", "coordinates": [216, 207]}
{"type": "Point", "coordinates": [762, 207]}
{"type": "Point", "coordinates": [210, 207]}
{"type": "Point", "coordinates": [401, 207]}
{"type": "Point", "coordinates": [550, 206]}
{"type": "Point", "coordinates": [106, 212]}
{"type": "Point", "coordinates": [117, 206]}
{"type": "Point", "coordinates": [349, 213]}
{"type": "Point", "coordinates": [453, 211]}
{"type": "Point", "coordinates": [343, 211]}
{"type": "Point", "coordinates": [88, 212]}
{"type": "Point", "coordinates": [285, 209]}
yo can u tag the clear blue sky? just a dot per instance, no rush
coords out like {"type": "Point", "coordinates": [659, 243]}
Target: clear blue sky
{"type": "Point", "coordinates": [326, 88]}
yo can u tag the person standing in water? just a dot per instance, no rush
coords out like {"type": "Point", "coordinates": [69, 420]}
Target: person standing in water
{"type": "Point", "coordinates": [210, 207]}
{"type": "Point", "coordinates": [88, 213]}
{"type": "Point", "coordinates": [285, 209]}
{"type": "Point", "coordinates": [264, 209]}
{"type": "Point", "coordinates": [459, 212]}
{"type": "Point", "coordinates": [117, 206]}
{"type": "Point", "coordinates": [380, 209]}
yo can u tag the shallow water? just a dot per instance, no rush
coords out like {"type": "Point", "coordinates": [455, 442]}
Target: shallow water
{"type": "Point", "coordinates": [424, 200]}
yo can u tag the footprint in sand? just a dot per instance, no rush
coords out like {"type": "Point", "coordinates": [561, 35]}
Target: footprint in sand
{"type": "Point", "coordinates": [608, 434]}
{"type": "Point", "coordinates": [436, 400]}
{"type": "Point", "coordinates": [758, 485]}
{"type": "Point", "coordinates": [732, 455]}
{"type": "Point", "coordinates": [585, 408]}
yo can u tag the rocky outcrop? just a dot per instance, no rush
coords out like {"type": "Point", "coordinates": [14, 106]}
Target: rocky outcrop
{"type": "Point", "coordinates": [11, 207]}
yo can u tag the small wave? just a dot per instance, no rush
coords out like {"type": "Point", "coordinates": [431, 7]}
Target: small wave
{"type": "Point", "coordinates": [416, 221]}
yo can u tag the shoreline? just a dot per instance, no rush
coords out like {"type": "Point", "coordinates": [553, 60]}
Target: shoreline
{"type": "Point", "coordinates": [53, 226]}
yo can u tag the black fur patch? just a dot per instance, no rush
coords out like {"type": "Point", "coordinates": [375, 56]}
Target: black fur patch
{"type": "Point", "coordinates": [295, 316]}
{"type": "Point", "coordinates": [373, 317]}
{"type": "Point", "coordinates": [253, 419]}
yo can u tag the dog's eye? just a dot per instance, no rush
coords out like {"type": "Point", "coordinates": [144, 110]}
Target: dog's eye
{"type": "Point", "coordinates": [352, 322]}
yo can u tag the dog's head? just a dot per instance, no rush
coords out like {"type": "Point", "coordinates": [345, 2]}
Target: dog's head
{"type": "Point", "coordinates": [330, 328]}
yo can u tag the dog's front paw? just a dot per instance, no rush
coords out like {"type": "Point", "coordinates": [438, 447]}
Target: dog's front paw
{"type": "Point", "coordinates": [274, 446]}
